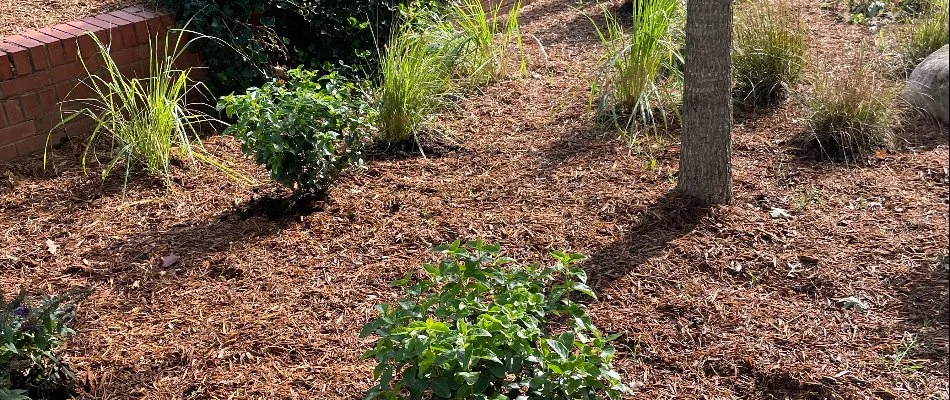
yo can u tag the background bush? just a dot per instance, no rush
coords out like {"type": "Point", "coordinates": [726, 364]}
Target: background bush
{"type": "Point", "coordinates": [305, 130]}
{"type": "Point", "coordinates": [263, 33]}
{"type": "Point", "coordinates": [769, 49]}
{"type": "Point", "coordinates": [925, 34]}
{"type": "Point", "coordinates": [478, 326]}
{"type": "Point", "coordinates": [32, 332]}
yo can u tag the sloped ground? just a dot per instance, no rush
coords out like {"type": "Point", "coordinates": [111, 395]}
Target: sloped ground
{"type": "Point", "coordinates": [721, 303]}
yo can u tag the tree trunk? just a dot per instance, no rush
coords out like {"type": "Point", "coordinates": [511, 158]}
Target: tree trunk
{"type": "Point", "coordinates": [706, 152]}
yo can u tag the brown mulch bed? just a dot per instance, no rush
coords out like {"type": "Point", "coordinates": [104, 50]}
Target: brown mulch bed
{"type": "Point", "coordinates": [721, 303]}
{"type": "Point", "coordinates": [22, 15]}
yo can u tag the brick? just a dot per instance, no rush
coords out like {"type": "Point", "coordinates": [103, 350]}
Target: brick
{"type": "Point", "coordinates": [30, 145]}
{"type": "Point", "coordinates": [8, 152]}
{"type": "Point", "coordinates": [126, 29]}
{"type": "Point", "coordinates": [85, 44]}
{"type": "Point", "coordinates": [13, 111]}
{"type": "Point", "coordinates": [38, 103]}
{"type": "Point", "coordinates": [139, 25]}
{"type": "Point", "coordinates": [65, 72]}
{"type": "Point", "coordinates": [113, 35]}
{"type": "Point", "coordinates": [54, 46]}
{"type": "Point", "coordinates": [18, 131]}
{"type": "Point", "coordinates": [127, 16]}
{"type": "Point", "coordinates": [25, 83]}
{"type": "Point", "coordinates": [141, 12]}
{"type": "Point", "coordinates": [44, 123]}
{"type": "Point", "coordinates": [30, 103]}
{"type": "Point", "coordinates": [6, 67]}
{"type": "Point", "coordinates": [37, 50]}
{"type": "Point", "coordinates": [124, 57]}
{"type": "Point", "coordinates": [19, 56]}
{"type": "Point", "coordinates": [68, 41]}
{"type": "Point", "coordinates": [3, 117]}
{"type": "Point", "coordinates": [86, 28]}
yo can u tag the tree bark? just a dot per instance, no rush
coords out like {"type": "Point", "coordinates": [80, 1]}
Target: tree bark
{"type": "Point", "coordinates": [706, 152]}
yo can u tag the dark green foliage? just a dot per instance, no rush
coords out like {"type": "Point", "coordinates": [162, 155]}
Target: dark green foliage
{"type": "Point", "coordinates": [32, 334]}
{"type": "Point", "coordinates": [262, 33]}
{"type": "Point", "coordinates": [305, 130]}
{"type": "Point", "coordinates": [479, 327]}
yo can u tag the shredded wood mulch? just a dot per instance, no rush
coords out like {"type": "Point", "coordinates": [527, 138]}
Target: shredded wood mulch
{"type": "Point", "coordinates": [727, 302]}
{"type": "Point", "coordinates": [22, 15]}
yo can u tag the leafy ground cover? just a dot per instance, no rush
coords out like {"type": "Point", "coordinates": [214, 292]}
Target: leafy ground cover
{"type": "Point", "coordinates": [822, 281]}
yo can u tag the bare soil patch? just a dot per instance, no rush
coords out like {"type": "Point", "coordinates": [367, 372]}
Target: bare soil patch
{"type": "Point", "coordinates": [720, 303]}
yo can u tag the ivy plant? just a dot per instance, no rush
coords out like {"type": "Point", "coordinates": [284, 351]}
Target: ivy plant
{"type": "Point", "coordinates": [481, 326]}
{"type": "Point", "coordinates": [305, 130]}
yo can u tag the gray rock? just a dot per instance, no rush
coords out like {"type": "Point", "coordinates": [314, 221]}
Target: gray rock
{"type": "Point", "coordinates": [928, 87]}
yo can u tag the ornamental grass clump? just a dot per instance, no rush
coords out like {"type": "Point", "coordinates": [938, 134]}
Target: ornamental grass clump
{"type": "Point", "coordinates": [483, 52]}
{"type": "Point", "coordinates": [925, 34]}
{"type": "Point", "coordinates": [850, 111]}
{"type": "Point", "coordinates": [147, 121]}
{"type": "Point", "coordinates": [769, 49]}
{"type": "Point", "coordinates": [415, 74]}
{"type": "Point", "coordinates": [638, 63]}
{"type": "Point", "coordinates": [481, 326]}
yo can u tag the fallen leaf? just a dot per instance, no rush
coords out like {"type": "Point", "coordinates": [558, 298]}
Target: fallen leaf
{"type": "Point", "coordinates": [780, 213]}
{"type": "Point", "coordinates": [170, 260]}
{"type": "Point", "coordinates": [852, 303]}
{"type": "Point", "coordinates": [51, 246]}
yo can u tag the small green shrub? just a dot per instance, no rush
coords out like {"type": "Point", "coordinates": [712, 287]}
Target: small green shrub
{"type": "Point", "coordinates": [769, 49]}
{"type": "Point", "coordinates": [145, 120]}
{"type": "Point", "coordinates": [31, 336]}
{"type": "Point", "coordinates": [926, 34]}
{"type": "Point", "coordinates": [483, 53]}
{"type": "Point", "coordinates": [477, 326]}
{"type": "Point", "coordinates": [630, 81]}
{"type": "Point", "coordinates": [305, 130]}
{"type": "Point", "coordinates": [415, 74]}
{"type": "Point", "coordinates": [864, 11]}
{"type": "Point", "coordinates": [850, 111]}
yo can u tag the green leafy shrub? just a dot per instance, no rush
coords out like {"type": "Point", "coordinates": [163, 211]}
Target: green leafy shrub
{"type": "Point", "coordinates": [145, 120]}
{"type": "Point", "coordinates": [305, 130]}
{"type": "Point", "coordinates": [926, 34]}
{"type": "Point", "coordinates": [864, 11]}
{"type": "Point", "coordinates": [479, 327]}
{"type": "Point", "coordinates": [414, 75]}
{"type": "Point", "coordinates": [260, 33]}
{"type": "Point", "coordinates": [769, 49]}
{"type": "Point", "coordinates": [630, 80]}
{"type": "Point", "coordinates": [850, 111]}
{"type": "Point", "coordinates": [31, 335]}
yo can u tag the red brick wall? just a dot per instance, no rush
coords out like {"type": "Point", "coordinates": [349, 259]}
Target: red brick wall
{"type": "Point", "coordinates": [39, 69]}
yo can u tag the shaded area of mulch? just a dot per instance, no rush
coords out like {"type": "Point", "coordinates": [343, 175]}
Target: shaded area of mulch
{"type": "Point", "coordinates": [722, 302]}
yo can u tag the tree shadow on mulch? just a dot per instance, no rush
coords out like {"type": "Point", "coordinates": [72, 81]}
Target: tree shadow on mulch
{"type": "Point", "coordinates": [141, 259]}
{"type": "Point", "coordinates": [921, 132]}
{"type": "Point", "coordinates": [427, 146]}
{"type": "Point", "coordinates": [926, 308]}
{"type": "Point", "coordinates": [668, 218]}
